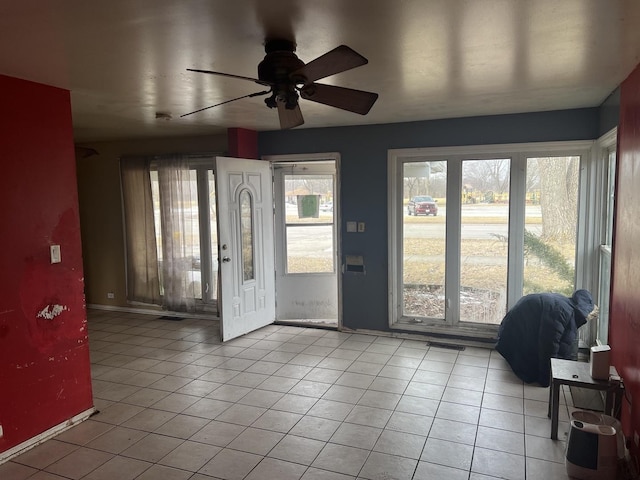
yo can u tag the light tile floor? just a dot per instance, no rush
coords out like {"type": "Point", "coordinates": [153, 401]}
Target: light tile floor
{"type": "Point", "coordinates": [288, 403]}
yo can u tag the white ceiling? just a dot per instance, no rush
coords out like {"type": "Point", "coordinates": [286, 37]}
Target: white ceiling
{"type": "Point", "coordinates": [125, 60]}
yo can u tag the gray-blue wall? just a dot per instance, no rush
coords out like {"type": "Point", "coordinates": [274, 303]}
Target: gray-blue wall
{"type": "Point", "coordinates": [363, 176]}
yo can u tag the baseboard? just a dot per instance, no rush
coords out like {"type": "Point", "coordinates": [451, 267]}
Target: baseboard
{"type": "Point", "coordinates": [46, 435]}
{"type": "Point", "coordinates": [151, 311]}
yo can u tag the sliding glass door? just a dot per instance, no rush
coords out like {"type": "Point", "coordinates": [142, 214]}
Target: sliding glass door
{"type": "Point", "coordinates": [472, 229]}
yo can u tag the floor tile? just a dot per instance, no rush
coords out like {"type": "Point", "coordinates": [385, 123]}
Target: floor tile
{"type": "Point", "coordinates": [152, 447]}
{"type": "Point", "coordinates": [344, 394]}
{"type": "Point", "coordinates": [79, 463]}
{"type": "Point", "coordinates": [122, 468]}
{"type": "Point", "coordinates": [458, 412]}
{"type": "Point", "coordinates": [376, 399]}
{"type": "Point", "coordinates": [274, 468]}
{"type": "Point", "coordinates": [310, 388]}
{"type": "Point", "coordinates": [545, 448]}
{"type": "Point", "coordinates": [341, 459]}
{"type": "Point", "coordinates": [117, 440]}
{"type": "Point", "coordinates": [260, 398]}
{"type": "Point", "coordinates": [182, 426]}
{"type": "Point", "coordinates": [498, 464]}
{"type": "Point", "coordinates": [149, 419]}
{"type": "Point", "coordinates": [208, 408]}
{"type": "Point", "coordinates": [84, 432]}
{"type": "Point", "coordinates": [453, 431]}
{"type": "Point", "coordinates": [503, 402]}
{"type": "Point", "coordinates": [277, 421]}
{"type": "Point", "coordinates": [369, 416]}
{"type": "Point", "coordinates": [295, 403]}
{"type": "Point", "coordinates": [315, 427]}
{"type": "Point", "coordinates": [231, 464]}
{"type": "Point", "coordinates": [544, 470]}
{"type": "Point", "coordinates": [382, 465]}
{"type": "Point", "coordinates": [501, 440]}
{"type": "Point", "coordinates": [429, 471]}
{"type": "Point", "coordinates": [46, 453]}
{"type": "Point", "coordinates": [165, 473]}
{"type": "Point", "coordinates": [241, 414]}
{"type": "Point", "coordinates": [420, 406]}
{"type": "Point", "coordinates": [191, 456]}
{"type": "Point", "coordinates": [410, 423]}
{"type": "Point", "coordinates": [16, 471]}
{"type": "Point", "coordinates": [400, 444]}
{"type": "Point", "coordinates": [256, 440]}
{"type": "Point", "coordinates": [297, 449]}
{"type": "Point", "coordinates": [330, 409]}
{"type": "Point", "coordinates": [504, 420]}
{"type": "Point", "coordinates": [317, 474]}
{"type": "Point", "coordinates": [356, 436]}
{"type": "Point", "coordinates": [42, 475]}
{"type": "Point", "coordinates": [446, 453]}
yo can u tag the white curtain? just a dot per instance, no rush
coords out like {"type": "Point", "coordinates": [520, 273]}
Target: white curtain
{"type": "Point", "coordinates": [180, 232]}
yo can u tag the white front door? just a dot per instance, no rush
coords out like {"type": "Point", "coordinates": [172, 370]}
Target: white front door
{"type": "Point", "coordinates": [245, 239]}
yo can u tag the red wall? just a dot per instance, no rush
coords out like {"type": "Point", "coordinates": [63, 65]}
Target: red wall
{"type": "Point", "coordinates": [44, 363]}
{"type": "Point", "coordinates": [624, 329]}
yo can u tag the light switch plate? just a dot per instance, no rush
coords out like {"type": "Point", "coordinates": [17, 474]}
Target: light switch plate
{"type": "Point", "coordinates": [55, 254]}
{"type": "Point", "coordinates": [352, 227]}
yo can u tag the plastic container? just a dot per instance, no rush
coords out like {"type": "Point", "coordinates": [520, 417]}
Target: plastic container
{"type": "Point", "coordinates": [597, 418]}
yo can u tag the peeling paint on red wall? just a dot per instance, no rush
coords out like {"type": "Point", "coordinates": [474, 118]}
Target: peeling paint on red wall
{"type": "Point", "coordinates": [44, 355]}
{"type": "Point", "coordinates": [624, 335]}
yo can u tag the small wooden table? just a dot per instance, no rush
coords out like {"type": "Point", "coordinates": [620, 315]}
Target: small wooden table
{"type": "Point", "coordinates": [570, 372]}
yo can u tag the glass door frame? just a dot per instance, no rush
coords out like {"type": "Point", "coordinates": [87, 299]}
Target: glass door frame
{"type": "Point", "coordinates": [518, 153]}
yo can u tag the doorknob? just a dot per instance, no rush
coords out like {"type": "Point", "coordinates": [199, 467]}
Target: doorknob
{"type": "Point", "coordinates": [226, 259]}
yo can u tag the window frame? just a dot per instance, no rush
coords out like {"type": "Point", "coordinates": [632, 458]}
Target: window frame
{"type": "Point", "coordinates": [518, 153]}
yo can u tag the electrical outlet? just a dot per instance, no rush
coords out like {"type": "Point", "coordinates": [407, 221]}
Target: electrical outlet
{"type": "Point", "coordinates": [361, 227]}
{"type": "Point", "coordinates": [1, 432]}
{"type": "Point", "coordinates": [636, 438]}
{"type": "Point", "coordinates": [111, 295]}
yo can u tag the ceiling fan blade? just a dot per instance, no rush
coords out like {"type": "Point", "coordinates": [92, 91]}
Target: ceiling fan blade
{"type": "Point", "coordinates": [289, 117]}
{"type": "Point", "coordinates": [357, 101]}
{"type": "Point", "coordinates": [210, 72]}
{"type": "Point", "coordinates": [338, 60]}
{"type": "Point", "coordinates": [227, 101]}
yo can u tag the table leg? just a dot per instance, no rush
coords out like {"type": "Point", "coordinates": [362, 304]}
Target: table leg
{"type": "Point", "coordinates": [554, 405]}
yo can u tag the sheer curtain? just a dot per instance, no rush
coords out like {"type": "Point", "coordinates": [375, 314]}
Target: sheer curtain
{"type": "Point", "coordinates": [161, 268]}
{"type": "Point", "coordinates": [143, 284]}
{"type": "Point", "coordinates": [180, 232]}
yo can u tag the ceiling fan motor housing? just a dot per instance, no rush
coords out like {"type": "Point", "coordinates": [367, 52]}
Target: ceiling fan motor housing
{"type": "Point", "coordinates": [276, 68]}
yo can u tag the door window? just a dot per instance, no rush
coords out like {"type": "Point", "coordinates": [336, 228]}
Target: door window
{"type": "Point", "coordinates": [246, 235]}
{"type": "Point", "coordinates": [309, 235]}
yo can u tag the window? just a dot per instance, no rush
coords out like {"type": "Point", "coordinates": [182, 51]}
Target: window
{"type": "Point", "coordinates": [608, 160]}
{"type": "Point", "coordinates": [472, 229]}
{"type": "Point", "coordinates": [309, 223]}
{"type": "Point", "coordinates": [186, 232]}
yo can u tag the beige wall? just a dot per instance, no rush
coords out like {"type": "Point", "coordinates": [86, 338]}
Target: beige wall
{"type": "Point", "coordinates": [101, 208]}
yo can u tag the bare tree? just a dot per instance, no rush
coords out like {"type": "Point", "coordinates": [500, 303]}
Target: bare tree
{"type": "Point", "coordinates": [559, 197]}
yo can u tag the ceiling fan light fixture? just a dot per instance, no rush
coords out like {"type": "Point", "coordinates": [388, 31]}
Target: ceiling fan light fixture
{"type": "Point", "coordinates": [289, 78]}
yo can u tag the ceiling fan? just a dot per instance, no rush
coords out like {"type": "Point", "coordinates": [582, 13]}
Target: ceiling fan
{"type": "Point", "coordinates": [289, 78]}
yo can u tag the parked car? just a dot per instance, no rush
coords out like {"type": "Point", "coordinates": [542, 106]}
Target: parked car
{"type": "Point", "coordinates": [422, 205]}
{"type": "Point", "coordinates": [326, 207]}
